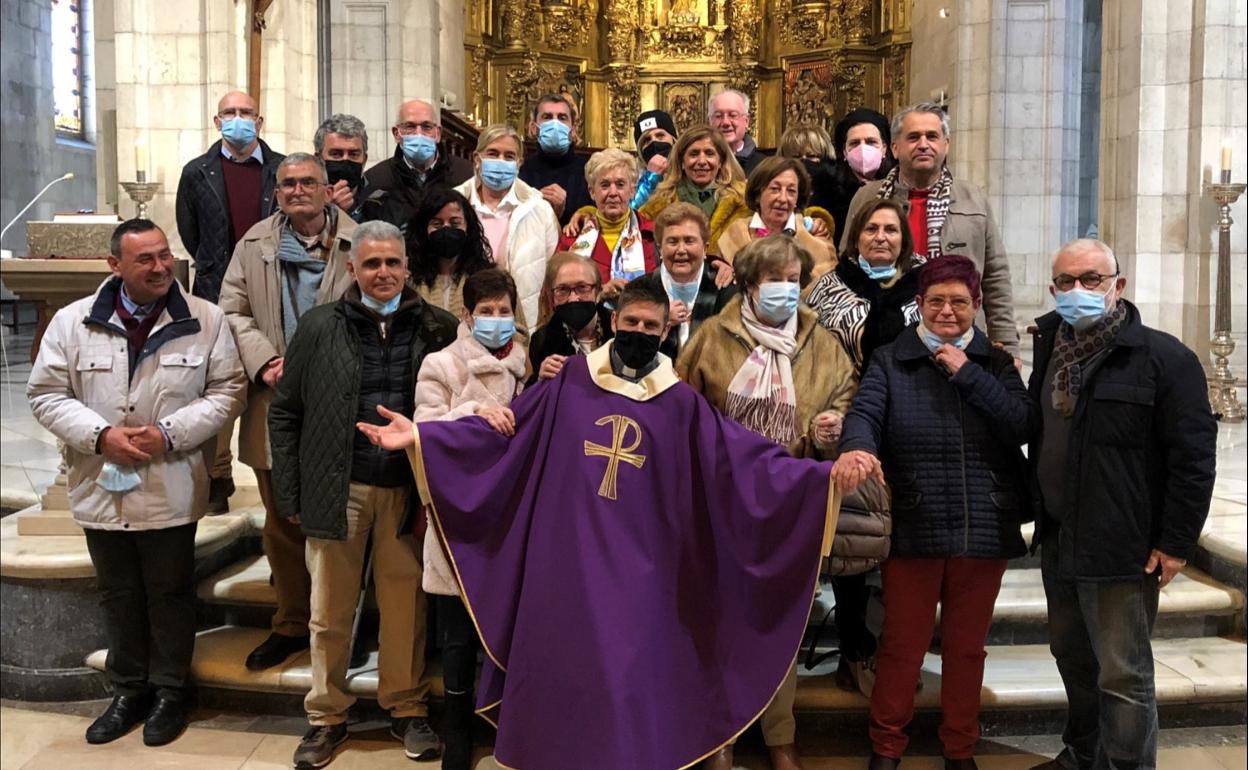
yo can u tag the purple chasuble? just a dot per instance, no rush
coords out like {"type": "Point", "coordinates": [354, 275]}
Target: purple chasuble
{"type": "Point", "coordinates": [639, 567]}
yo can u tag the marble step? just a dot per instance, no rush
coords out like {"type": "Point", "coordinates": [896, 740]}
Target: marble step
{"type": "Point", "coordinates": [1192, 605]}
{"type": "Point", "coordinates": [1198, 673]}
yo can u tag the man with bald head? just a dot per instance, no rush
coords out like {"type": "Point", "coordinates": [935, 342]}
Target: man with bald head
{"type": "Point", "coordinates": [420, 162]}
{"type": "Point", "coordinates": [221, 194]}
{"type": "Point", "coordinates": [1124, 465]}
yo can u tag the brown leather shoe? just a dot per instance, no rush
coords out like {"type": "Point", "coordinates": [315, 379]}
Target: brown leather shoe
{"type": "Point", "coordinates": [785, 757]}
{"type": "Point", "coordinates": [720, 760]}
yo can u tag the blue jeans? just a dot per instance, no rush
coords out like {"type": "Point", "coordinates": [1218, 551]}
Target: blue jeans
{"type": "Point", "coordinates": [1099, 635]}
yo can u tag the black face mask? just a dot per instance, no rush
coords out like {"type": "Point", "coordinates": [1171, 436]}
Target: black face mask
{"type": "Point", "coordinates": [656, 148]}
{"type": "Point", "coordinates": [447, 242]}
{"type": "Point", "coordinates": [636, 349]}
{"type": "Point", "coordinates": [576, 315]}
{"type": "Point", "coordinates": [816, 168]}
{"type": "Point", "coordinates": [348, 170]}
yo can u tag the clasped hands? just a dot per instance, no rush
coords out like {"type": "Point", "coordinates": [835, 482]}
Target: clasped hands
{"type": "Point", "coordinates": [854, 467]}
{"type": "Point", "coordinates": [122, 445]}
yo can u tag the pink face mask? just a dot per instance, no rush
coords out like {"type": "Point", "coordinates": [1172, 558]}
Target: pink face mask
{"type": "Point", "coordinates": [865, 160]}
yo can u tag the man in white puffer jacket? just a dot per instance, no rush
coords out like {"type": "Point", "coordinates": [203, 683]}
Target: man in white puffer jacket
{"type": "Point", "coordinates": [137, 380]}
{"type": "Point", "coordinates": [520, 225]}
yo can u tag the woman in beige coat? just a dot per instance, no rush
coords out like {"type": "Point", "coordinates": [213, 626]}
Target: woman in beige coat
{"type": "Point", "coordinates": [478, 374]}
{"type": "Point", "coordinates": [765, 361]}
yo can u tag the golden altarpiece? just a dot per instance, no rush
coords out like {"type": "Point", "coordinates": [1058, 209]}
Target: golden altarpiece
{"type": "Point", "coordinates": [800, 61]}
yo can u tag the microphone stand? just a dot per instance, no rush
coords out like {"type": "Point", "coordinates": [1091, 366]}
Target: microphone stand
{"type": "Point", "coordinates": [26, 208]}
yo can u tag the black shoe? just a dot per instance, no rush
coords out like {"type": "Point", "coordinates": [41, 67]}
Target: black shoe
{"type": "Point", "coordinates": [318, 745]}
{"type": "Point", "coordinates": [420, 742]}
{"type": "Point", "coordinates": [219, 491]}
{"type": "Point", "coordinates": [122, 714]}
{"type": "Point", "coordinates": [166, 722]}
{"type": "Point", "coordinates": [961, 764]}
{"type": "Point", "coordinates": [1052, 764]}
{"type": "Point", "coordinates": [274, 650]}
{"type": "Point", "coordinates": [881, 762]}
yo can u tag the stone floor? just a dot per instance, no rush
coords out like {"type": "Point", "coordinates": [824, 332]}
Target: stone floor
{"type": "Point", "coordinates": [52, 740]}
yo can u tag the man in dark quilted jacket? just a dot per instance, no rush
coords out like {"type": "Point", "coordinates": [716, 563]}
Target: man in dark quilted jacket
{"type": "Point", "coordinates": [346, 359]}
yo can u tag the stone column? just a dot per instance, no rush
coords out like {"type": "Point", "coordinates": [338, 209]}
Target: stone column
{"type": "Point", "coordinates": [451, 53]}
{"type": "Point", "coordinates": [1174, 91]}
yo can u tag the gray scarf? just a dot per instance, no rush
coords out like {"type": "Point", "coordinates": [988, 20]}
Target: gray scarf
{"type": "Point", "coordinates": [301, 280]}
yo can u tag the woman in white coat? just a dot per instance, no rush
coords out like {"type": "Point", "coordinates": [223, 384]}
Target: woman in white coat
{"type": "Point", "coordinates": [520, 225]}
{"type": "Point", "coordinates": [478, 374]}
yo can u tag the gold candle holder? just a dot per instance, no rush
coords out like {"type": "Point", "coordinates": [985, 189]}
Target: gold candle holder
{"type": "Point", "coordinates": [141, 192]}
{"type": "Point", "coordinates": [1222, 396]}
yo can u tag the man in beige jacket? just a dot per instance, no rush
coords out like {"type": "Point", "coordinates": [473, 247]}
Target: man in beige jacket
{"type": "Point", "coordinates": [945, 215]}
{"type": "Point", "coordinates": [137, 381]}
{"type": "Point", "coordinates": [283, 266]}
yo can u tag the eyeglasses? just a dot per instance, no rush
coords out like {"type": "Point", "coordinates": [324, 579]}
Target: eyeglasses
{"type": "Point", "coordinates": [563, 291]}
{"type": "Point", "coordinates": [729, 115]}
{"type": "Point", "coordinates": [1066, 282]}
{"type": "Point", "coordinates": [237, 112]}
{"type": "Point", "coordinates": [407, 129]}
{"type": "Point", "coordinates": [936, 304]}
{"type": "Point", "coordinates": [307, 183]}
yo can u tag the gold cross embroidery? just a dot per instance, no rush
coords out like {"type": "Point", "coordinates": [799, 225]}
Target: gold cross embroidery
{"type": "Point", "coordinates": [617, 451]}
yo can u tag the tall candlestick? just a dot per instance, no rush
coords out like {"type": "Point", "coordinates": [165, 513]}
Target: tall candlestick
{"type": "Point", "coordinates": [1222, 382]}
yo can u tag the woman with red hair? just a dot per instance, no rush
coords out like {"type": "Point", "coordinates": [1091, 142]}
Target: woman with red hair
{"type": "Point", "coordinates": [940, 415]}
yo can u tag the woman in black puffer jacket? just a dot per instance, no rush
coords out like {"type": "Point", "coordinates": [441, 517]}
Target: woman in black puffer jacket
{"type": "Point", "coordinates": [940, 414]}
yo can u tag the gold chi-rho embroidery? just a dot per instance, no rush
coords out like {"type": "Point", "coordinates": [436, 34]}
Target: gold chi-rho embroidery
{"type": "Point", "coordinates": [617, 452]}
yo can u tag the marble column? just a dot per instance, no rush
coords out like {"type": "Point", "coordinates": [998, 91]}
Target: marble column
{"type": "Point", "coordinates": [1173, 93]}
{"type": "Point", "coordinates": [451, 53]}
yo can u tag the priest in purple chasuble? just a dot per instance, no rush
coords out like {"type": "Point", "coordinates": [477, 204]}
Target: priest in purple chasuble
{"type": "Point", "coordinates": [639, 567]}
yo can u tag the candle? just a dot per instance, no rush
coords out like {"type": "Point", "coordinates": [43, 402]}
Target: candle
{"type": "Point", "coordinates": [140, 161]}
{"type": "Point", "coordinates": [1226, 155]}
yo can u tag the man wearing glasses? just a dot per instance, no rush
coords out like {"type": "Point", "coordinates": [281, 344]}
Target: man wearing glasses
{"type": "Point", "coordinates": [420, 162]}
{"type": "Point", "coordinates": [728, 112]}
{"type": "Point", "coordinates": [284, 266]}
{"type": "Point", "coordinates": [1124, 465]}
{"type": "Point", "coordinates": [221, 194]}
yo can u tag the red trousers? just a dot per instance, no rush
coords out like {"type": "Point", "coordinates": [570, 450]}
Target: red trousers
{"type": "Point", "coordinates": [966, 590]}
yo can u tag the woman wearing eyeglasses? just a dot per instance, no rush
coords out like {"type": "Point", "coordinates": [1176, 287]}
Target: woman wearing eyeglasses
{"type": "Point", "coordinates": [570, 318]}
{"type": "Point", "coordinates": [941, 415]}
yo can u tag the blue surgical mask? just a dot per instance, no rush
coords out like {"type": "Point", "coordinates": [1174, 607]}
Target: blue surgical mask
{"type": "Point", "coordinates": [238, 132]}
{"type": "Point", "coordinates": [419, 149]}
{"type": "Point", "coordinates": [881, 273]}
{"type": "Point", "coordinates": [382, 309]}
{"type": "Point", "coordinates": [777, 301]}
{"type": "Point", "coordinates": [1081, 308]}
{"type": "Point", "coordinates": [493, 332]}
{"type": "Point", "coordinates": [686, 292]}
{"type": "Point", "coordinates": [933, 341]}
{"type": "Point", "coordinates": [498, 174]}
{"type": "Point", "coordinates": [117, 478]}
{"type": "Point", "coordinates": [554, 137]}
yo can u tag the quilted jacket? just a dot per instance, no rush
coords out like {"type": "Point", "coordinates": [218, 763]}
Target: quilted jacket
{"type": "Point", "coordinates": [204, 219]}
{"type": "Point", "coordinates": [950, 447]}
{"type": "Point", "coordinates": [312, 417]}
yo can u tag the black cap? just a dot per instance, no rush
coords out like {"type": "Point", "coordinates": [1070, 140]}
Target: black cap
{"type": "Point", "coordinates": [861, 115]}
{"type": "Point", "coordinates": [653, 119]}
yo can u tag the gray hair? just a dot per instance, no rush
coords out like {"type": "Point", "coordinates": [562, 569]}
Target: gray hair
{"type": "Point", "coordinates": [376, 230]}
{"type": "Point", "coordinates": [710, 103]}
{"type": "Point", "coordinates": [930, 108]}
{"type": "Point", "coordinates": [295, 158]}
{"type": "Point", "coordinates": [342, 124]}
{"type": "Point", "coordinates": [1086, 246]}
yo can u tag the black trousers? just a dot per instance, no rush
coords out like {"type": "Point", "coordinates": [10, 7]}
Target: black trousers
{"type": "Point", "coordinates": [852, 597]}
{"type": "Point", "coordinates": [147, 591]}
{"type": "Point", "coordinates": [459, 645]}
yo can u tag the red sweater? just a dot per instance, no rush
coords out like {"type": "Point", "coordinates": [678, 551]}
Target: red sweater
{"type": "Point", "coordinates": [918, 218]}
{"type": "Point", "coordinates": [243, 190]}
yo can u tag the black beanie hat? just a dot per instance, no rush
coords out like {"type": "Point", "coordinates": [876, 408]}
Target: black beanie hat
{"type": "Point", "coordinates": [861, 115]}
{"type": "Point", "coordinates": [653, 119]}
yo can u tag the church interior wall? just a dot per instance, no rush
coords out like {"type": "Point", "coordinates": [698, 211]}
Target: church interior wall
{"type": "Point", "coordinates": [31, 152]}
